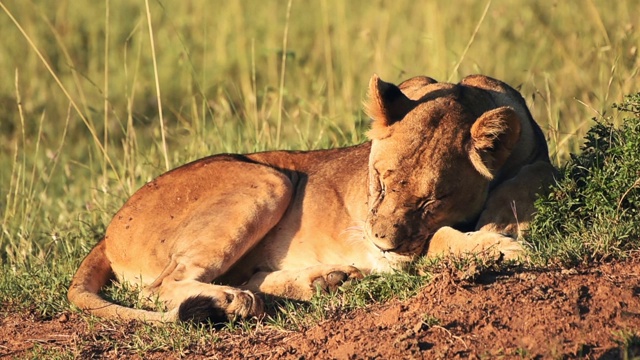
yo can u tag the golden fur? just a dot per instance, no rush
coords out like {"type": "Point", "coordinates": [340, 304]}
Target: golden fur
{"type": "Point", "coordinates": [205, 238]}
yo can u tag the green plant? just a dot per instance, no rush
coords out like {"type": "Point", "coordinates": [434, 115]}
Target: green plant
{"type": "Point", "coordinates": [593, 210]}
{"type": "Point", "coordinates": [629, 343]}
{"type": "Point", "coordinates": [429, 321]}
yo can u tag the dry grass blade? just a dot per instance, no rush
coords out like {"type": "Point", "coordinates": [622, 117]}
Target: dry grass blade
{"type": "Point", "coordinates": [471, 39]}
{"type": "Point", "coordinates": [157, 83]}
{"type": "Point", "coordinates": [283, 67]}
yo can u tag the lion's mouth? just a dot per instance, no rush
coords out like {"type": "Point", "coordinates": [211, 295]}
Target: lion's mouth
{"type": "Point", "coordinates": [407, 251]}
{"type": "Point", "coordinates": [404, 253]}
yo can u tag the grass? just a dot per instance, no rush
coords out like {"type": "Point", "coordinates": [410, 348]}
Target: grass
{"type": "Point", "coordinates": [592, 211]}
{"type": "Point", "coordinates": [629, 344]}
{"type": "Point", "coordinates": [98, 98]}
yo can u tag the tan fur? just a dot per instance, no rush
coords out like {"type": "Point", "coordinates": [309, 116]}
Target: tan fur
{"type": "Point", "coordinates": [205, 238]}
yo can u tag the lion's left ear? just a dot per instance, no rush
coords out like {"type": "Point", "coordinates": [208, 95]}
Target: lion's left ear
{"type": "Point", "coordinates": [493, 136]}
{"type": "Point", "coordinates": [386, 105]}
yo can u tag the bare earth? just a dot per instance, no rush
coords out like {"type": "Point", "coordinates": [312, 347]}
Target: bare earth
{"type": "Point", "coordinates": [565, 314]}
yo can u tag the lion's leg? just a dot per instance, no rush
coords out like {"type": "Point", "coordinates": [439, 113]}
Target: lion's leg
{"type": "Point", "coordinates": [302, 284]}
{"type": "Point", "coordinates": [186, 291]}
{"type": "Point", "coordinates": [507, 214]}
{"type": "Point", "coordinates": [510, 207]}
{"type": "Point", "coordinates": [234, 217]}
{"type": "Point", "coordinates": [448, 241]}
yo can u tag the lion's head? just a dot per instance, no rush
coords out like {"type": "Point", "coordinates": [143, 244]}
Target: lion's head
{"type": "Point", "coordinates": [435, 149]}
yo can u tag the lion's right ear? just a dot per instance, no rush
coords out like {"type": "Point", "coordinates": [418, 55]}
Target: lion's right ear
{"type": "Point", "coordinates": [494, 135]}
{"type": "Point", "coordinates": [385, 105]}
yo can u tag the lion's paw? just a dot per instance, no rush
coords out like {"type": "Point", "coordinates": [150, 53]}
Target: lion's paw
{"type": "Point", "coordinates": [233, 304]}
{"type": "Point", "coordinates": [243, 304]}
{"type": "Point", "coordinates": [498, 245]}
{"type": "Point", "coordinates": [511, 249]}
{"type": "Point", "coordinates": [448, 241]}
{"type": "Point", "coordinates": [331, 280]}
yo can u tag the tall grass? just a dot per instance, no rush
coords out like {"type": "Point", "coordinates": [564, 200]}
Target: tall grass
{"type": "Point", "coordinates": [97, 98]}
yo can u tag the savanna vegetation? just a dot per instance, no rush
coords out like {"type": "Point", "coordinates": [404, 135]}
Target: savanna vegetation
{"type": "Point", "coordinates": [98, 98]}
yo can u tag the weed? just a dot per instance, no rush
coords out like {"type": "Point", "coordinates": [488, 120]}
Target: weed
{"type": "Point", "coordinates": [42, 352]}
{"type": "Point", "coordinates": [429, 321]}
{"type": "Point", "coordinates": [522, 353]}
{"type": "Point", "coordinates": [629, 343]}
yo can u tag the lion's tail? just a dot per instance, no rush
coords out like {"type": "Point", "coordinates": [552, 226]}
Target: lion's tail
{"type": "Point", "coordinates": [92, 275]}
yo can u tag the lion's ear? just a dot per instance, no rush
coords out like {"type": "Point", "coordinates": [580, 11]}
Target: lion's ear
{"type": "Point", "coordinates": [493, 137]}
{"type": "Point", "coordinates": [385, 105]}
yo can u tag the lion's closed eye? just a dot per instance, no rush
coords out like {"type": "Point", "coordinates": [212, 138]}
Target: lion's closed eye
{"type": "Point", "coordinates": [426, 203]}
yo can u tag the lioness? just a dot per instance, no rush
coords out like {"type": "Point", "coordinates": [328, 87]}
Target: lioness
{"type": "Point", "coordinates": [289, 222]}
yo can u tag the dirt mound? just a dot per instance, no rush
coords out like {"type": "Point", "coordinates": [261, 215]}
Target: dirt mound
{"type": "Point", "coordinates": [584, 313]}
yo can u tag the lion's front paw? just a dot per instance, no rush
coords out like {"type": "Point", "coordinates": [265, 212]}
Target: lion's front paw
{"type": "Point", "coordinates": [510, 249]}
{"type": "Point", "coordinates": [448, 241]}
{"type": "Point", "coordinates": [497, 245]}
{"type": "Point", "coordinates": [331, 280]}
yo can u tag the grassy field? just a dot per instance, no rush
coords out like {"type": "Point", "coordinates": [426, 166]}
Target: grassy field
{"type": "Point", "coordinates": [97, 98]}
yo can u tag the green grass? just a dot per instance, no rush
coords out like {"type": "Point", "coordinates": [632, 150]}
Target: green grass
{"type": "Point", "coordinates": [629, 344]}
{"type": "Point", "coordinates": [80, 123]}
{"type": "Point", "coordinates": [592, 212]}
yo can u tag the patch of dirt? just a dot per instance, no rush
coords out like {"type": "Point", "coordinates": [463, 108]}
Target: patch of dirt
{"type": "Point", "coordinates": [566, 314]}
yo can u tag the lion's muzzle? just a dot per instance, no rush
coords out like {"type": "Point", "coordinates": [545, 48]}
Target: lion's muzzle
{"type": "Point", "coordinates": [394, 236]}
{"type": "Point", "coordinates": [387, 236]}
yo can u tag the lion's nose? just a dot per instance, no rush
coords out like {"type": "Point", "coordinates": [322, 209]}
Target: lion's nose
{"type": "Point", "coordinates": [386, 233]}
{"type": "Point", "coordinates": [384, 242]}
